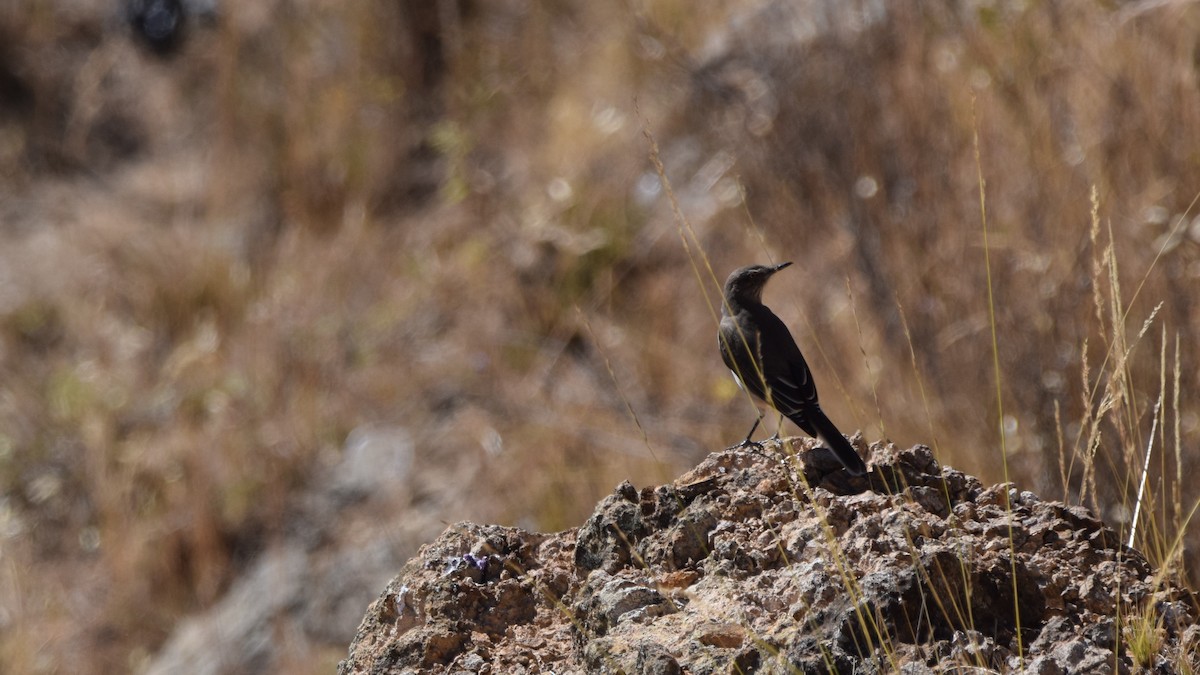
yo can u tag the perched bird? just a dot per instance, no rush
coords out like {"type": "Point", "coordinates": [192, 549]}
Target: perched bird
{"type": "Point", "coordinates": [159, 23]}
{"type": "Point", "coordinates": [765, 361]}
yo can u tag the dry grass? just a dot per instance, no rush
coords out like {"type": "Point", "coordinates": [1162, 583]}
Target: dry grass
{"type": "Point", "coordinates": [326, 214]}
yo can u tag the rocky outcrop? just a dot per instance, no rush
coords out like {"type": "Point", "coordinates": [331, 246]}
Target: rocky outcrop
{"type": "Point", "coordinates": [774, 562]}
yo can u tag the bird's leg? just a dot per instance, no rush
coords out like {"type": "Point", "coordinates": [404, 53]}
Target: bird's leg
{"type": "Point", "coordinates": [753, 428]}
{"type": "Point", "coordinates": [778, 428]}
{"type": "Point", "coordinates": [749, 443]}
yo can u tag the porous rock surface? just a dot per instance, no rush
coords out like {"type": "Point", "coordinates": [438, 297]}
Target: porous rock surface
{"type": "Point", "coordinates": [776, 562]}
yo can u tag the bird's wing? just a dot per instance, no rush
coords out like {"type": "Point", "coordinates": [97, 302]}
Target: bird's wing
{"type": "Point", "coordinates": [794, 401]}
{"type": "Point", "coordinates": [738, 351]}
{"type": "Point", "coordinates": [789, 381]}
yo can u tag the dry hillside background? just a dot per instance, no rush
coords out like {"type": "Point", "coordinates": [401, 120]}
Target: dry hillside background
{"type": "Point", "coordinates": [442, 219]}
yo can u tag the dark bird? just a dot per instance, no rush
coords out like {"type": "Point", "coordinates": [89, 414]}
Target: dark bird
{"type": "Point", "coordinates": [159, 24]}
{"type": "Point", "coordinates": [765, 361]}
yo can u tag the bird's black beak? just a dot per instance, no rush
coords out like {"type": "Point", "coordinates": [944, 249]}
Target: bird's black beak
{"type": "Point", "coordinates": [779, 267]}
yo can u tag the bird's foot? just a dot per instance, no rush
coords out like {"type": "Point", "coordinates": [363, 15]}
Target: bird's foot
{"type": "Point", "coordinates": [756, 447]}
{"type": "Point", "coordinates": [749, 444]}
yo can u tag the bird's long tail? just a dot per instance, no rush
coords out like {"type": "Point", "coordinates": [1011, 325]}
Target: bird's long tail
{"type": "Point", "coordinates": [833, 439]}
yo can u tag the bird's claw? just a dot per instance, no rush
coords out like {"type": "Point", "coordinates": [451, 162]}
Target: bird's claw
{"type": "Point", "coordinates": [755, 446]}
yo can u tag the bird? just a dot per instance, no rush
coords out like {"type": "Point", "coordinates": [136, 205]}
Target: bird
{"type": "Point", "coordinates": [765, 360]}
{"type": "Point", "coordinates": [159, 23]}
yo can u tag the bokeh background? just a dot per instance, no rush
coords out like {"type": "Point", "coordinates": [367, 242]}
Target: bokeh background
{"type": "Point", "coordinates": [286, 291]}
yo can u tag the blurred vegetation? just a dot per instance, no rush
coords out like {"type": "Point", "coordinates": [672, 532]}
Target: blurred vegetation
{"type": "Point", "coordinates": [316, 215]}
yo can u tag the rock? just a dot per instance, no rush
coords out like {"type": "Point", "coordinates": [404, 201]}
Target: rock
{"type": "Point", "coordinates": [754, 562]}
{"type": "Point", "coordinates": [654, 659]}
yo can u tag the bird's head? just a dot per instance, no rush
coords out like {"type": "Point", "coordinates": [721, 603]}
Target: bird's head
{"type": "Point", "coordinates": [746, 284]}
